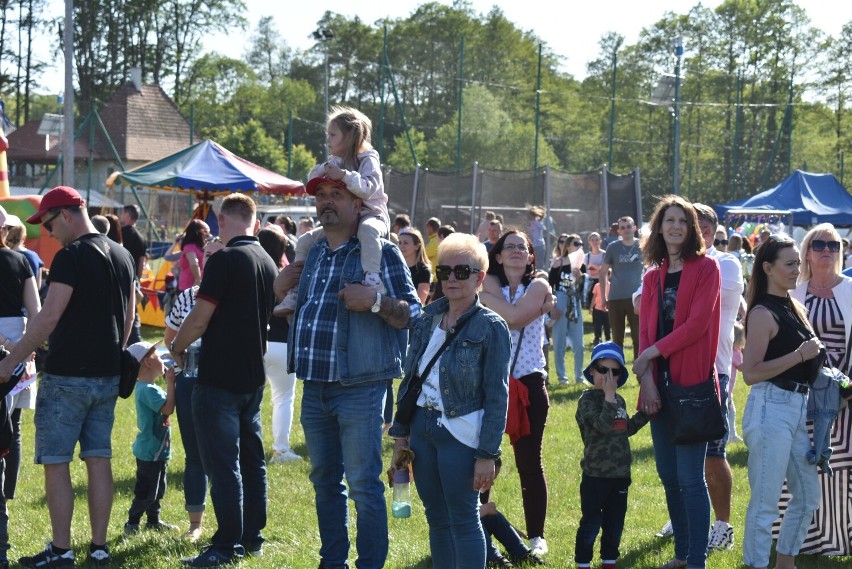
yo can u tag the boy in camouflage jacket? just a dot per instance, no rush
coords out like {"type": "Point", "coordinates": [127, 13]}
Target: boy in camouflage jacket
{"type": "Point", "coordinates": [604, 427]}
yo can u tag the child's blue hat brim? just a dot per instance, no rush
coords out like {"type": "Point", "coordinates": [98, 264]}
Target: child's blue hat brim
{"type": "Point", "coordinates": [612, 351]}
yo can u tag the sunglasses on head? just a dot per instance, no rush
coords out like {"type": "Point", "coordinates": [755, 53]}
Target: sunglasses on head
{"type": "Point", "coordinates": [48, 223]}
{"type": "Point", "coordinates": [717, 242]}
{"type": "Point", "coordinates": [603, 370]}
{"type": "Point", "coordinates": [462, 272]}
{"type": "Point", "coordinates": [819, 245]}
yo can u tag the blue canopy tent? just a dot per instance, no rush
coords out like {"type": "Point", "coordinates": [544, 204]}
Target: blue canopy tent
{"type": "Point", "coordinates": [812, 199]}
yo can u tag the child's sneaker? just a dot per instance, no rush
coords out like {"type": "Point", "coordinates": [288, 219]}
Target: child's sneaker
{"type": "Point", "coordinates": [99, 555]}
{"type": "Point", "coordinates": [374, 280]}
{"type": "Point", "coordinates": [287, 306]}
{"type": "Point", "coordinates": [131, 529]}
{"type": "Point", "coordinates": [160, 525]}
{"type": "Point", "coordinates": [48, 558]}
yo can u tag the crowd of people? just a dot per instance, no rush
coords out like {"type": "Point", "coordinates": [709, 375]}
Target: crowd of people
{"type": "Point", "coordinates": [471, 323]}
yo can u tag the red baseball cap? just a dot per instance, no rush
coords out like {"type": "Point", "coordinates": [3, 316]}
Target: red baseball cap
{"type": "Point", "coordinates": [314, 183]}
{"type": "Point", "coordinates": [60, 196]}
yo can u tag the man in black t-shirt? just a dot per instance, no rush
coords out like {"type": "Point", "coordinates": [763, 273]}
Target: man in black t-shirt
{"type": "Point", "coordinates": [80, 382]}
{"type": "Point", "coordinates": [231, 316]}
{"type": "Point", "coordinates": [137, 247]}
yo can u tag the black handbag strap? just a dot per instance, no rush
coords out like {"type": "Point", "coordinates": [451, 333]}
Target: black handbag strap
{"type": "Point", "coordinates": [517, 351]}
{"type": "Point", "coordinates": [116, 306]}
{"type": "Point", "coordinates": [452, 333]}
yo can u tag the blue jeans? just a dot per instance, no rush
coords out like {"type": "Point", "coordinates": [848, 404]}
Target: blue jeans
{"type": "Point", "coordinates": [231, 445]}
{"type": "Point", "coordinates": [564, 331]}
{"type": "Point", "coordinates": [443, 473]}
{"type": "Point", "coordinates": [194, 479]}
{"type": "Point", "coordinates": [498, 527]}
{"type": "Point", "coordinates": [777, 439]}
{"type": "Point", "coordinates": [71, 409]}
{"type": "Point", "coordinates": [681, 470]}
{"type": "Point", "coordinates": [343, 426]}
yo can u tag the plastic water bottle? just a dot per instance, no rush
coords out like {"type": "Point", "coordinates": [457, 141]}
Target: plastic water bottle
{"type": "Point", "coordinates": [401, 505]}
{"type": "Point", "coordinates": [190, 363]}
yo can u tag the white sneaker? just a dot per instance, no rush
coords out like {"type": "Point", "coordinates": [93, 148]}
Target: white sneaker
{"type": "Point", "coordinates": [285, 456]}
{"type": "Point", "coordinates": [538, 545]}
{"type": "Point", "coordinates": [721, 536]}
{"type": "Point", "coordinates": [666, 530]}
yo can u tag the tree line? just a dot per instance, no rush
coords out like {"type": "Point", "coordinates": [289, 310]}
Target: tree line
{"type": "Point", "coordinates": [763, 92]}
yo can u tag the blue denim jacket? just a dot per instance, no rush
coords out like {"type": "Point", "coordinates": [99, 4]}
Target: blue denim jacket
{"type": "Point", "coordinates": [824, 402]}
{"type": "Point", "coordinates": [367, 347]}
{"type": "Point", "coordinates": [473, 371]}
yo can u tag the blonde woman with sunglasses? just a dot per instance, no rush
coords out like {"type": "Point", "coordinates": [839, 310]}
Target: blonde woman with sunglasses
{"type": "Point", "coordinates": [459, 354]}
{"type": "Point", "coordinates": [827, 295]}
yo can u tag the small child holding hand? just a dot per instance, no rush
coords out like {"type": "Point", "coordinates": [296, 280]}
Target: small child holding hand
{"type": "Point", "coordinates": [152, 447]}
{"type": "Point", "coordinates": [604, 428]}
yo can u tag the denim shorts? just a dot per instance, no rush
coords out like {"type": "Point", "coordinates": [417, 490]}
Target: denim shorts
{"type": "Point", "coordinates": [72, 409]}
{"type": "Point", "coordinates": [716, 449]}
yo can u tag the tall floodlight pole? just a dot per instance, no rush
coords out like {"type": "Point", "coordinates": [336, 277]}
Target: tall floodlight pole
{"type": "Point", "coordinates": [68, 100]}
{"type": "Point", "coordinates": [612, 100]}
{"type": "Point", "coordinates": [323, 34]}
{"type": "Point", "coordinates": [678, 49]}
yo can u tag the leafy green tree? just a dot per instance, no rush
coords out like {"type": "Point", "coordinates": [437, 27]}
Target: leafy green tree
{"type": "Point", "coordinates": [249, 141]}
{"type": "Point", "coordinates": [400, 158]}
{"type": "Point", "coordinates": [268, 54]}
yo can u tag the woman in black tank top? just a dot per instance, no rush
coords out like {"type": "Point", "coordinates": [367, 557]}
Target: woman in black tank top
{"type": "Point", "coordinates": [779, 362]}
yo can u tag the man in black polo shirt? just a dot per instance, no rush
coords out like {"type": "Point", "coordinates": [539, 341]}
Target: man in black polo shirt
{"type": "Point", "coordinates": [79, 388]}
{"type": "Point", "coordinates": [231, 316]}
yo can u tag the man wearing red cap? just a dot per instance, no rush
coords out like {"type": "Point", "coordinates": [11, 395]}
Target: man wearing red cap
{"type": "Point", "coordinates": [80, 382]}
{"type": "Point", "coordinates": [345, 343]}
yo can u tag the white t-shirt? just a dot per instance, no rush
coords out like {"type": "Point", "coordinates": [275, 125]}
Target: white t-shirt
{"type": "Point", "coordinates": [731, 295]}
{"type": "Point", "coordinates": [465, 429]}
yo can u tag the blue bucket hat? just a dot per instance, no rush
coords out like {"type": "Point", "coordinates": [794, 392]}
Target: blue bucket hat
{"type": "Point", "coordinates": [612, 351]}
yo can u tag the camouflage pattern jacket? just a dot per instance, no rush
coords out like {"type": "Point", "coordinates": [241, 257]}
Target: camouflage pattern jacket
{"type": "Point", "coordinates": [604, 428]}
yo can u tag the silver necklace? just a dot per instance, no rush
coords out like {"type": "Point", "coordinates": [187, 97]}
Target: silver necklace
{"type": "Point", "coordinates": [829, 287]}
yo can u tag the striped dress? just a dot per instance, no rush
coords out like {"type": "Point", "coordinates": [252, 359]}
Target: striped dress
{"type": "Point", "coordinates": [830, 532]}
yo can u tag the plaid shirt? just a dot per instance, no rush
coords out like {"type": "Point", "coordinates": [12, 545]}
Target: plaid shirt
{"type": "Point", "coordinates": [315, 352]}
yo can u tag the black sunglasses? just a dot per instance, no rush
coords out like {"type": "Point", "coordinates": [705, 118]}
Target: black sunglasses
{"type": "Point", "coordinates": [562, 241]}
{"type": "Point", "coordinates": [462, 272]}
{"type": "Point", "coordinates": [602, 369]}
{"type": "Point", "coordinates": [819, 245]}
{"type": "Point", "coordinates": [717, 242]}
{"type": "Point", "coordinates": [48, 223]}
{"type": "Point", "coordinates": [578, 243]}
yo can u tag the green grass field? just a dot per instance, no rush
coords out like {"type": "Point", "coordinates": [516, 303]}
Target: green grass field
{"type": "Point", "coordinates": [292, 535]}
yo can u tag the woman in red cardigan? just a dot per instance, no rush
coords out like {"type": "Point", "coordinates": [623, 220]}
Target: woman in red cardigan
{"type": "Point", "coordinates": [688, 282]}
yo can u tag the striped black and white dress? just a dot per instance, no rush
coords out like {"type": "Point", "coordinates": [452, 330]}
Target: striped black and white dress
{"type": "Point", "coordinates": [830, 532]}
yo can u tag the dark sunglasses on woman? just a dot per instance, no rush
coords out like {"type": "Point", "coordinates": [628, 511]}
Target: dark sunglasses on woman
{"type": "Point", "coordinates": [819, 245]}
{"type": "Point", "coordinates": [717, 242]}
{"type": "Point", "coordinates": [462, 272]}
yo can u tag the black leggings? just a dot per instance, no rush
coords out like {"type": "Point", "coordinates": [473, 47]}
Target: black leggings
{"type": "Point", "coordinates": [528, 457]}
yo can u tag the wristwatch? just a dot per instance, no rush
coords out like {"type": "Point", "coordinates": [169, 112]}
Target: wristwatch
{"type": "Point", "coordinates": [378, 304]}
